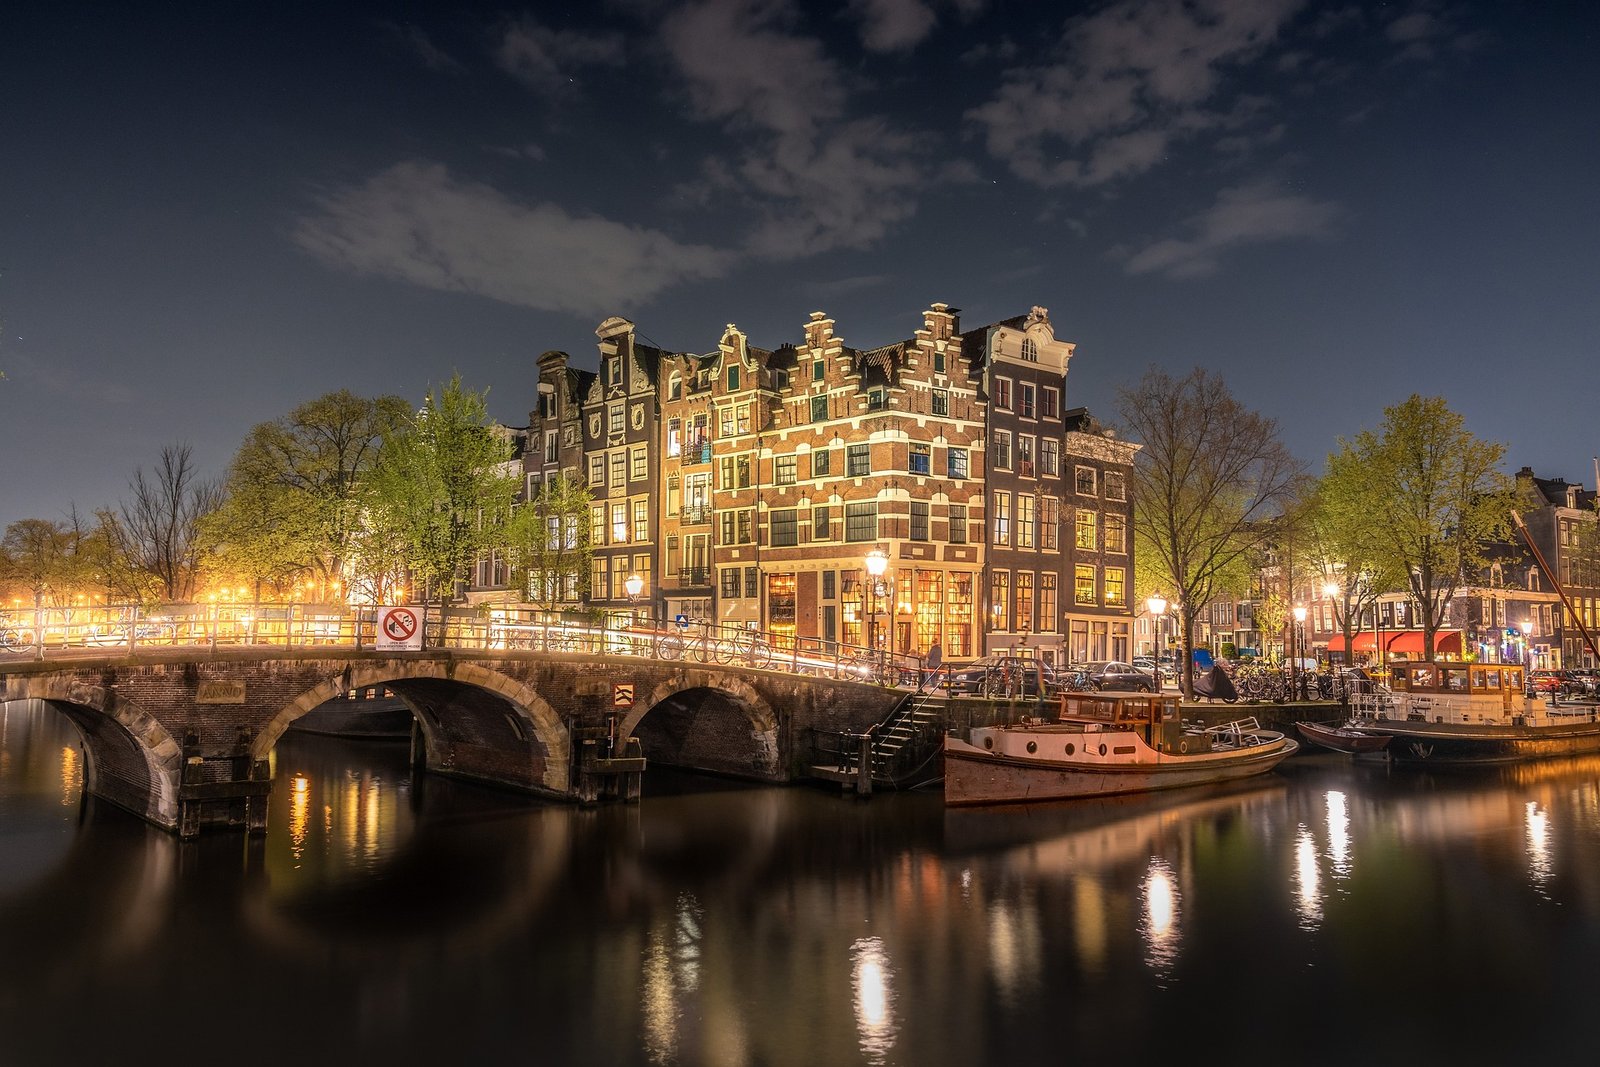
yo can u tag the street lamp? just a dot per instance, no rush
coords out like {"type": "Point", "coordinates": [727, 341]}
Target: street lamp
{"type": "Point", "coordinates": [1157, 606]}
{"type": "Point", "coordinates": [634, 585]}
{"type": "Point", "coordinates": [877, 564]}
{"type": "Point", "coordinates": [1299, 643]}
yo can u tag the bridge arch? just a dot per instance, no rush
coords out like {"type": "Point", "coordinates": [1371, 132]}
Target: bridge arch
{"type": "Point", "coordinates": [540, 719]}
{"type": "Point", "coordinates": [131, 759]}
{"type": "Point", "coordinates": [715, 720]}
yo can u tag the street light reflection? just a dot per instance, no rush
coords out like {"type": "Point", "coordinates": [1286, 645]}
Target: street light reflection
{"type": "Point", "coordinates": [1339, 833]}
{"type": "Point", "coordinates": [1539, 853]}
{"type": "Point", "coordinates": [1308, 880]}
{"type": "Point", "coordinates": [872, 980]}
{"type": "Point", "coordinates": [299, 815]}
{"type": "Point", "coordinates": [1161, 902]}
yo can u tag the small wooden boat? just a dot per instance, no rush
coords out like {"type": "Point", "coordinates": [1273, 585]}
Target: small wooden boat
{"type": "Point", "coordinates": [1105, 744]}
{"type": "Point", "coordinates": [1343, 738]}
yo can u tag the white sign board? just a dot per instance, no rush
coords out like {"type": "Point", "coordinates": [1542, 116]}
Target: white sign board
{"type": "Point", "coordinates": [399, 630]}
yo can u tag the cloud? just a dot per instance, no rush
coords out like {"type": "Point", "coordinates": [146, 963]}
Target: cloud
{"type": "Point", "coordinates": [417, 223]}
{"type": "Point", "coordinates": [1129, 81]}
{"type": "Point", "coordinates": [1244, 215]}
{"type": "Point", "coordinates": [893, 25]}
{"type": "Point", "coordinates": [420, 45]}
{"type": "Point", "coordinates": [547, 59]}
{"type": "Point", "coordinates": [529, 150]}
{"type": "Point", "coordinates": [815, 177]}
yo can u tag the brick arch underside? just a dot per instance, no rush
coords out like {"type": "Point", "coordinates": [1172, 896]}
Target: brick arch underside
{"type": "Point", "coordinates": [133, 762]}
{"type": "Point", "coordinates": [476, 723]}
{"type": "Point", "coordinates": [709, 721]}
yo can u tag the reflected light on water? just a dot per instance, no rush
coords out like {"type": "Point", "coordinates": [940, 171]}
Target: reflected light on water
{"type": "Point", "coordinates": [1308, 880]}
{"type": "Point", "coordinates": [71, 776]}
{"type": "Point", "coordinates": [299, 815]}
{"type": "Point", "coordinates": [1539, 858]}
{"type": "Point", "coordinates": [1089, 927]}
{"type": "Point", "coordinates": [872, 980]}
{"type": "Point", "coordinates": [688, 947]}
{"type": "Point", "coordinates": [1014, 952]}
{"type": "Point", "coordinates": [1339, 833]}
{"type": "Point", "coordinates": [1160, 892]}
{"type": "Point", "coordinates": [660, 1003]}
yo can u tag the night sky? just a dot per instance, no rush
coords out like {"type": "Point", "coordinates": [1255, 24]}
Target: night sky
{"type": "Point", "coordinates": [210, 213]}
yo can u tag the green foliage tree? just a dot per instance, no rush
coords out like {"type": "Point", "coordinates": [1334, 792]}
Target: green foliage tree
{"type": "Point", "coordinates": [41, 557]}
{"type": "Point", "coordinates": [294, 488]}
{"type": "Point", "coordinates": [1343, 549]}
{"type": "Point", "coordinates": [1433, 498]}
{"type": "Point", "coordinates": [1208, 473]}
{"type": "Point", "coordinates": [549, 542]}
{"type": "Point", "coordinates": [442, 488]}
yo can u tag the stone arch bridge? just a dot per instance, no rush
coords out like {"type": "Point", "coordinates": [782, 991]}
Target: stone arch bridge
{"type": "Point", "coordinates": [184, 738]}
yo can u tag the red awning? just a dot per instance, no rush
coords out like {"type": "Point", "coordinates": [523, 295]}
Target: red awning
{"type": "Point", "coordinates": [1365, 641]}
{"type": "Point", "coordinates": [1445, 642]}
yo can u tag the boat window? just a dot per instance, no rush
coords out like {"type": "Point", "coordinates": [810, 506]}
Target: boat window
{"type": "Point", "coordinates": [1454, 681]}
{"type": "Point", "coordinates": [1422, 678]}
{"type": "Point", "coordinates": [1490, 679]}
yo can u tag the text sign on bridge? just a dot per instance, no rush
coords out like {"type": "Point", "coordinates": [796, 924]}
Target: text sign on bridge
{"type": "Point", "coordinates": [399, 630]}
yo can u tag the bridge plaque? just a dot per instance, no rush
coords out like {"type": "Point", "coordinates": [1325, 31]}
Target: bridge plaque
{"type": "Point", "coordinates": [220, 693]}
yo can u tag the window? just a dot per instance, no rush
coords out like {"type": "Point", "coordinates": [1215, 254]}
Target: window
{"type": "Point", "coordinates": [744, 418]}
{"type": "Point", "coordinates": [641, 520]}
{"type": "Point", "coordinates": [784, 469]}
{"type": "Point", "coordinates": [674, 437]}
{"type": "Point", "coordinates": [1049, 403]}
{"type": "Point", "coordinates": [597, 470]}
{"type": "Point", "coordinates": [752, 582]}
{"type": "Point", "coordinates": [1115, 592]}
{"type": "Point", "coordinates": [921, 459]}
{"type": "Point", "coordinates": [639, 467]}
{"type": "Point", "coordinates": [956, 461]}
{"type": "Point", "coordinates": [820, 529]}
{"type": "Point", "coordinates": [1002, 393]}
{"type": "Point", "coordinates": [1030, 350]}
{"type": "Point", "coordinates": [737, 527]}
{"type": "Point", "coordinates": [675, 386]}
{"type": "Point", "coordinates": [747, 526]}
{"type": "Point", "coordinates": [730, 583]}
{"type": "Point", "coordinates": [619, 523]}
{"type": "Point", "coordinates": [938, 363]}
{"type": "Point", "coordinates": [958, 524]}
{"type": "Point", "coordinates": [1002, 519]}
{"type": "Point", "coordinates": [820, 463]}
{"type": "Point", "coordinates": [1049, 456]}
{"type": "Point", "coordinates": [819, 370]}
{"type": "Point", "coordinates": [672, 555]}
{"type": "Point", "coordinates": [1116, 487]}
{"type": "Point", "coordinates": [597, 524]}
{"type": "Point", "coordinates": [1083, 584]}
{"type": "Point", "coordinates": [550, 446]}
{"type": "Point", "coordinates": [1025, 454]}
{"type": "Point", "coordinates": [1024, 520]}
{"type": "Point", "coordinates": [736, 472]}
{"type": "Point", "coordinates": [1117, 536]}
{"type": "Point", "coordinates": [861, 522]}
{"type": "Point", "coordinates": [725, 422]}
{"type": "Point", "coordinates": [919, 520]}
{"type": "Point", "coordinates": [725, 522]}
{"type": "Point", "coordinates": [877, 400]}
{"type": "Point", "coordinates": [1085, 538]}
{"type": "Point", "coordinates": [941, 401]}
{"type": "Point", "coordinates": [1025, 393]}
{"type": "Point", "coordinates": [1083, 480]}
{"type": "Point", "coordinates": [780, 380]}
{"type": "Point", "coordinates": [786, 527]}
{"type": "Point", "coordinates": [819, 407]}
{"type": "Point", "coordinates": [599, 580]}
{"type": "Point", "coordinates": [857, 460]}
{"type": "Point", "coordinates": [1000, 598]}
{"type": "Point", "coordinates": [1049, 521]}
{"type": "Point", "coordinates": [1047, 603]}
{"type": "Point", "coordinates": [829, 585]}
{"type": "Point", "coordinates": [1002, 450]}
{"type": "Point", "coordinates": [614, 370]}
{"type": "Point", "coordinates": [1024, 601]}
{"type": "Point", "coordinates": [619, 469]}
{"type": "Point", "coordinates": [616, 419]}
{"type": "Point", "coordinates": [733, 379]}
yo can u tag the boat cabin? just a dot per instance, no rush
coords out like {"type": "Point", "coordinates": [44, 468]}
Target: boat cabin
{"type": "Point", "coordinates": [1154, 717]}
{"type": "Point", "coordinates": [1489, 685]}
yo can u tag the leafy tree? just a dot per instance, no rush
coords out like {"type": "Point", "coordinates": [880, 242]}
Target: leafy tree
{"type": "Point", "coordinates": [1343, 548]}
{"type": "Point", "coordinates": [549, 543]}
{"type": "Point", "coordinates": [442, 488]}
{"type": "Point", "coordinates": [1207, 474]}
{"type": "Point", "coordinates": [41, 557]}
{"type": "Point", "coordinates": [293, 487]}
{"type": "Point", "coordinates": [1433, 498]}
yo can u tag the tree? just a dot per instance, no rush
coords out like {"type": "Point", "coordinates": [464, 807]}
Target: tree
{"type": "Point", "coordinates": [1207, 474]}
{"type": "Point", "coordinates": [442, 488]}
{"type": "Point", "coordinates": [40, 556]}
{"type": "Point", "coordinates": [1342, 546]}
{"type": "Point", "coordinates": [157, 532]}
{"type": "Point", "coordinates": [1431, 496]}
{"type": "Point", "coordinates": [549, 543]}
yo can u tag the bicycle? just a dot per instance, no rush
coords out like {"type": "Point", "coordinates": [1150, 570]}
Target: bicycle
{"type": "Point", "coordinates": [15, 640]}
{"type": "Point", "coordinates": [747, 647]}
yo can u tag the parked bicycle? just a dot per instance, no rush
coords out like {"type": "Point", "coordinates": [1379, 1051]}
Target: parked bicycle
{"type": "Point", "coordinates": [740, 646]}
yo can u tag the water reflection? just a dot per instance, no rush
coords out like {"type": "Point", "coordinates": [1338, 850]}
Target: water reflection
{"type": "Point", "coordinates": [872, 981]}
{"type": "Point", "coordinates": [1308, 880]}
{"type": "Point", "coordinates": [1160, 926]}
{"type": "Point", "coordinates": [1539, 865]}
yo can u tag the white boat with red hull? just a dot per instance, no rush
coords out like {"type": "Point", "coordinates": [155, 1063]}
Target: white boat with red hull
{"type": "Point", "coordinates": [1104, 744]}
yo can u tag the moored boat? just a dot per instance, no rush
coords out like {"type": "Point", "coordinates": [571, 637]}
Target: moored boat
{"type": "Point", "coordinates": [1472, 713]}
{"type": "Point", "coordinates": [1104, 744]}
{"type": "Point", "coordinates": [1355, 742]}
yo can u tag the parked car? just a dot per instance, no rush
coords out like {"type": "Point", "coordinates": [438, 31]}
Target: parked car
{"type": "Point", "coordinates": [1001, 676]}
{"type": "Point", "coordinates": [1112, 674]}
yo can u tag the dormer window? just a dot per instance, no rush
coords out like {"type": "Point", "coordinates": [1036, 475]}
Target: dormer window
{"type": "Point", "coordinates": [1030, 350]}
{"type": "Point", "coordinates": [876, 399]}
{"type": "Point", "coordinates": [733, 379]}
{"type": "Point", "coordinates": [675, 386]}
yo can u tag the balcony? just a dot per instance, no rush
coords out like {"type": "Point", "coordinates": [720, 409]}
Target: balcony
{"type": "Point", "coordinates": [694, 578]}
{"type": "Point", "coordinates": [695, 515]}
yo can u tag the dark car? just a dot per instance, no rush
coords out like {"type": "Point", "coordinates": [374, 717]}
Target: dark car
{"type": "Point", "coordinates": [1112, 674]}
{"type": "Point", "coordinates": [1002, 676]}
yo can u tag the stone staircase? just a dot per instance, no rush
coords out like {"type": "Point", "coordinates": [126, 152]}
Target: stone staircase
{"type": "Point", "coordinates": [900, 752]}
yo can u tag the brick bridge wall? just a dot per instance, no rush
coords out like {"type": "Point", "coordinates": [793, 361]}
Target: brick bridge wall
{"type": "Point", "coordinates": [541, 722]}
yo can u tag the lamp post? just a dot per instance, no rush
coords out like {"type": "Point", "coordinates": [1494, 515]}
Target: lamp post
{"type": "Point", "coordinates": [1157, 606]}
{"type": "Point", "coordinates": [634, 585]}
{"type": "Point", "coordinates": [1299, 643]}
{"type": "Point", "coordinates": [1330, 589]}
{"type": "Point", "coordinates": [877, 564]}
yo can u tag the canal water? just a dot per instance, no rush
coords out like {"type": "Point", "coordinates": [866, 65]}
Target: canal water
{"type": "Point", "coordinates": [1330, 913]}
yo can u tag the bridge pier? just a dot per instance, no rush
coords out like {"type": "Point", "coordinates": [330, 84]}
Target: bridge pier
{"type": "Point", "coordinates": [227, 790]}
{"type": "Point", "coordinates": [600, 775]}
